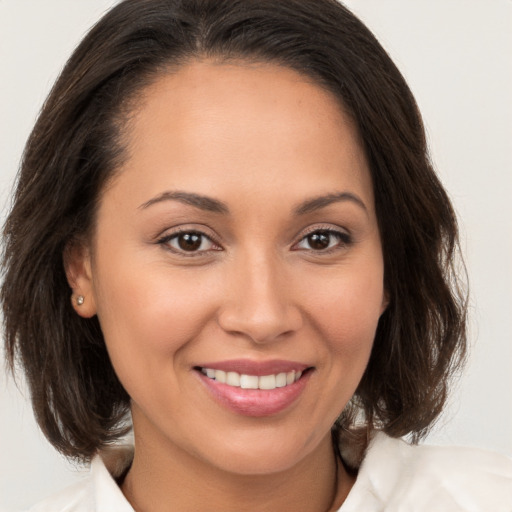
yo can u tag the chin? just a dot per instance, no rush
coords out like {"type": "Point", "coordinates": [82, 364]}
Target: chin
{"type": "Point", "coordinates": [264, 453]}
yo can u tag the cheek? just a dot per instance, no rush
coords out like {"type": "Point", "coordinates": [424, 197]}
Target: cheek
{"type": "Point", "coordinates": [151, 314]}
{"type": "Point", "coordinates": [349, 306]}
{"type": "Point", "coordinates": [345, 312]}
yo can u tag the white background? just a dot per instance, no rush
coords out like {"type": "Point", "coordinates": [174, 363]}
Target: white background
{"type": "Point", "coordinates": [456, 56]}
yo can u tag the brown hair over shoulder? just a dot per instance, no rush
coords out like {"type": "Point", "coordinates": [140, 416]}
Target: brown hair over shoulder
{"type": "Point", "coordinates": [77, 145]}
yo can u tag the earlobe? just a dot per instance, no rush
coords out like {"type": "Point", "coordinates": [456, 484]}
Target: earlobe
{"type": "Point", "coordinates": [385, 302]}
{"type": "Point", "coordinates": [78, 268]}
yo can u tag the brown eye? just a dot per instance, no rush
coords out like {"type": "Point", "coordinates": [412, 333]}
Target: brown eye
{"type": "Point", "coordinates": [189, 242]}
{"type": "Point", "coordinates": [319, 240]}
{"type": "Point", "coordinates": [324, 239]}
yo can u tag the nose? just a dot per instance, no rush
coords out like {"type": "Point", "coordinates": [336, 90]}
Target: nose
{"type": "Point", "coordinates": [259, 303]}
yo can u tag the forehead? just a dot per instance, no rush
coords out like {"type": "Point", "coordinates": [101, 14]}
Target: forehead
{"type": "Point", "coordinates": [245, 126]}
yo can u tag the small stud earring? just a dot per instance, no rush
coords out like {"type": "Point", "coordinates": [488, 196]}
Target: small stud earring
{"type": "Point", "coordinates": [80, 300]}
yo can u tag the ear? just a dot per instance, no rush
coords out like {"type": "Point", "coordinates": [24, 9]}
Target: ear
{"type": "Point", "coordinates": [78, 268]}
{"type": "Point", "coordinates": [385, 302]}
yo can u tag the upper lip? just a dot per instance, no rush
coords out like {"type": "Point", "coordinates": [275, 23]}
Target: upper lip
{"type": "Point", "coordinates": [252, 367]}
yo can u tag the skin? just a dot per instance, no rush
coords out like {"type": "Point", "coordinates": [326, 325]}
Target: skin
{"type": "Point", "coordinates": [256, 288]}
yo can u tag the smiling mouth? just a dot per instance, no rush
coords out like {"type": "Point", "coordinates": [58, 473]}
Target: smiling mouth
{"type": "Point", "coordinates": [245, 381]}
{"type": "Point", "coordinates": [255, 389]}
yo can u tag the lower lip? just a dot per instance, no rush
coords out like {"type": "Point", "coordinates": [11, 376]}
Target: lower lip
{"type": "Point", "coordinates": [255, 402]}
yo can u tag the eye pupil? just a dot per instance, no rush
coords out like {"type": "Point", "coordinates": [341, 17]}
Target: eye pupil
{"type": "Point", "coordinates": [319, 240]}
{"type": "Point", "coordinates": [189, 241]}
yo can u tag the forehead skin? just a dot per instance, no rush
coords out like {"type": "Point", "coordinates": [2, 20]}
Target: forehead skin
{"type": "Point", "coordinates": [214, 106]}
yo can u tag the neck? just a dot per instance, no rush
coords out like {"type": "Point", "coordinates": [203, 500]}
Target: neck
{"type": "Point", "coordinates": [164, 477]}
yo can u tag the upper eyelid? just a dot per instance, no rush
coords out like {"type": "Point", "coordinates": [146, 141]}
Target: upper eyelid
{"type": "Point", "coordinates": [190, 228]}
{"type": "Point", "coordinates": [321, 227]}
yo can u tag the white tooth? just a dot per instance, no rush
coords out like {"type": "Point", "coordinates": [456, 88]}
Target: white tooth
{"type": "Point", "coordinates": [297, 376]}
{"type": "Point", "coordinates": [290, 377]}
{"type": "Point", "coordinates": [267, 382]}
{"type": "Point", "coordinates": [209, 373]}
{"type": "Point", "coordinates": [249, 381]}
{"type": "Point", "coordinates": [281, 380]}
{"type": "Point", "coordinates": [233, 379]}
{"type": "Point", "coordinates": [220, 376]}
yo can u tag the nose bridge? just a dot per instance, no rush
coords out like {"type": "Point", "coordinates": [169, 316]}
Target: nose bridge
{"type": "Point", "coordinates": [259, 303]}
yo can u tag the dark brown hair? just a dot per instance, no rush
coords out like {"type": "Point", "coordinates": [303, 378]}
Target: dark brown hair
{"type": "Point", "coordinates": [76, 145]}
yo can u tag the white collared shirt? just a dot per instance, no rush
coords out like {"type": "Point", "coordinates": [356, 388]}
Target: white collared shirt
{"type": "Point", "coordinates": [394, 477]}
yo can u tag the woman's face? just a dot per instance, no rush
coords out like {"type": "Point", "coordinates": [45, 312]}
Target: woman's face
{"type": "Point", "coordinates": [238, 242]}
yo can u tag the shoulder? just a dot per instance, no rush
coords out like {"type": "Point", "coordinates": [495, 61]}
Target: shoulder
{"type": "Point", "coordinates": [76, 498]}
{"type": "Point", "coordinates": [99, 492]}
{"type": "Point", "coordinates": [398, 476]}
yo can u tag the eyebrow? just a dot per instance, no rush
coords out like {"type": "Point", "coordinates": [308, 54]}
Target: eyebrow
{"type": "Point", "coordinates": [320, 202]}
{"type": "Point", "coordinates": [205, 203]}
{"type": "Point", "coordinates": [214, 205]}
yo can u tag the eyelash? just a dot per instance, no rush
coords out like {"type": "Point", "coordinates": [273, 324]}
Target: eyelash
{"type": "Point", "coordinates": [167, 239]}
{"type": "Point", "coordinates": [343, 241]}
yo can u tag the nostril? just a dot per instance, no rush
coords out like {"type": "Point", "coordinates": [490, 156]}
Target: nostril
{"type": "Point", "coordinates": [261, 323]}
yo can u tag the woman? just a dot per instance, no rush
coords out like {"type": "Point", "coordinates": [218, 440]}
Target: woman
{"type": "Point", "coordinates": [227, 225]}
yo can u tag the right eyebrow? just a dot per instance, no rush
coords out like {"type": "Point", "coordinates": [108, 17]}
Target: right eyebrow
{"type": "Point", "coordinates": [205, 203]}
{"type": "Point", "coordinates": [317, 203]}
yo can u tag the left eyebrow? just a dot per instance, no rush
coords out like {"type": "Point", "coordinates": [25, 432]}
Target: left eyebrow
{"type": "Point", "coordinates": [205, 203]}
{"type": "Point", "coordinates": [320, 202]}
